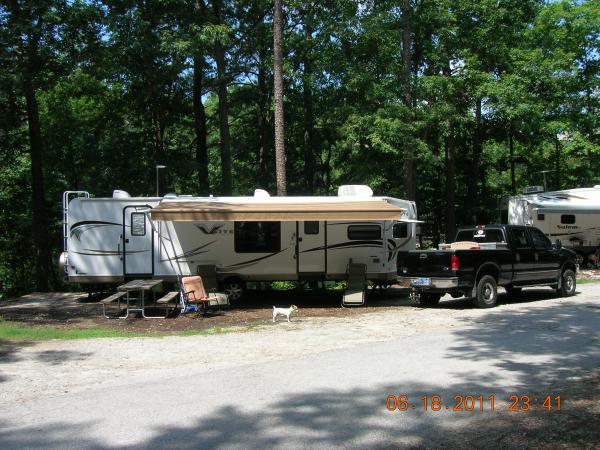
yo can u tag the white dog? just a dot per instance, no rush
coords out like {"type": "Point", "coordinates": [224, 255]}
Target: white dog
{"type": "Point", "coordinates": [284, 312]}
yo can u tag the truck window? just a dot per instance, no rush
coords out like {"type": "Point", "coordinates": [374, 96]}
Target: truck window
{"type": "Point", "coordinates": [481, 235]}
{"type": "Point", "coordinates": [359, 232]}
{"type": "Point", "coordinates": [520, 236]}
{"type": "Point", "coordinates": [540, 241]}
{"type": "Point", "coordinates": [257, 237]}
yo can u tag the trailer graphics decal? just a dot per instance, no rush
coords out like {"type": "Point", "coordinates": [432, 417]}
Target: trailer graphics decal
{"type": "Point", "coordinates": [214, 229]}
{"type": "Point", "coordinates": [77, 229]}
{"type": "Point", "coordinates": [95, 252]}
{"type": "Point", "coordinates": [193, 252]}
{"type": "Point", "coordinates": [250, 262]}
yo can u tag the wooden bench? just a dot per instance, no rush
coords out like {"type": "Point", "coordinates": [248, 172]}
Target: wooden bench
{"type": "Point", "coordinates": [110, 299]}
{"type": "Point", "coordinates": [166, 301]}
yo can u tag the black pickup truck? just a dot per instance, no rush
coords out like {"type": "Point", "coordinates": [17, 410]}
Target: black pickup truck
{"type": "Point", "coordinates": [483, 258]}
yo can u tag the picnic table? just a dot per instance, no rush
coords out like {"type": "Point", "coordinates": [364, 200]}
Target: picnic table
{"type": "Point", "coordinates": [135, 291]}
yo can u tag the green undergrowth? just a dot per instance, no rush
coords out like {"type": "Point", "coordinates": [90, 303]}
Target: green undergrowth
{"type": "Point", "coordinates": [16, 331]}
{"type": "Point", "coordinates": [588, 280]}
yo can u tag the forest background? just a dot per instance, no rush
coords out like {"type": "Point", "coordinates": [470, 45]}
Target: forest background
{"type": "Point", "coordinates": [453, 103]}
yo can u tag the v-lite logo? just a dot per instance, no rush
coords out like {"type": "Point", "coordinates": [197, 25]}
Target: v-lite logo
{"type": "Point", "coordinates": [214, 229]}
{"type": "Point", "coordinates": [209, 229]}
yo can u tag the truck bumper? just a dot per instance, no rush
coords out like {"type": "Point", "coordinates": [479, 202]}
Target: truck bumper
{"type": "Point", "coordinates": [435, 283]}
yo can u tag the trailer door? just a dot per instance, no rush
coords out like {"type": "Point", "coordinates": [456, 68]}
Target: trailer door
{"type": "Point", "coordinates": [311, 245]}
{"type": "Point", "coordinates": [137, 241]}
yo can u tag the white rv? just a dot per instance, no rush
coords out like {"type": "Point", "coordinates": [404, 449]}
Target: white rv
{"type": "Point", "coordinates": [259, 238]}
{"type": "Point", "coordinates": [571, 215]}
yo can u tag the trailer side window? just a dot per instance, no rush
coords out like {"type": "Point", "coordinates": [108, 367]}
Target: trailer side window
{"type": "Point", "coordinates": [567, 218]}
{"type": "Point", "coordinates": [311, 227]}
{"type": "Point", "coordinates": [257, 237]}
{"type": "Point", "coordinates": [540, 241]}
{"type": "Point", "coordinates": [400, 230]}
{"type": "Point", "coordinates": [541, 217]}
{"type": "Point", "coordinates": [138, 224]}
{"type": "Point", "coordinates": [359, 232]}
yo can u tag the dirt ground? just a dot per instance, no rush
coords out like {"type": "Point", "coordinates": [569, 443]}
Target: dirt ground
{"type": "Point", "coordinates": [78, 310]}
{"type": "Point", "coordinates": [73, 310]}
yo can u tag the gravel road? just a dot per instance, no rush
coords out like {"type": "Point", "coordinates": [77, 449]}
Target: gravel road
{"type": "Point", "coordinates": [320, 382]}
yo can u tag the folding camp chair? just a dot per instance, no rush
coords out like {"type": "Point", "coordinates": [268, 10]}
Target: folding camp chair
{"type": "Point", "coordinates": [194, 293]}
{"type": "Point", "coordinates": [354, 294]}
{"type": "Point", "coordinates": [208, 272]}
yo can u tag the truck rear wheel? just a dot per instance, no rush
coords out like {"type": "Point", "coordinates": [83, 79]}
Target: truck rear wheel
{"type": "Point", "coordinates": [568, 284]}
{"type": "Point", "coordinates": [429, 299]}
{"type": "Point", "coordinates": [487, 292]}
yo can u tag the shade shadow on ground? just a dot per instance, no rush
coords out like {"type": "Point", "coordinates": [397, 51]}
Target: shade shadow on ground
{"type": "Point", "coordinates": [551, 350]}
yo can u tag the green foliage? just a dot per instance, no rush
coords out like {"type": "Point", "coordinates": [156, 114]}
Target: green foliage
{"type": "Point", "coordinates": [114, 82]}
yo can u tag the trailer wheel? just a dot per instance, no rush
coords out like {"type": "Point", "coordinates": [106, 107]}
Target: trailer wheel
{"type": "Point", "coordinates": [487, 292]}
{"type": "Point", "coordinates": [234, 288]}
{"type": "Point", "coordinates": [429, 299]}
{"type": "Point", "coordinates": [568, 284]}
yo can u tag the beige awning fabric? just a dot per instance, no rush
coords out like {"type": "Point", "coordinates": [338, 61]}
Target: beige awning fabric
{"type": "Point", "coordinates": [280, 211]}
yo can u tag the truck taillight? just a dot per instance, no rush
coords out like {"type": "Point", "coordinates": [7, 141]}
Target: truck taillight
{"type": "Point", "coordinates": [454, 264]}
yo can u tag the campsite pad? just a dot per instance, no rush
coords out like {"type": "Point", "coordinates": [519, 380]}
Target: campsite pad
{"type": "Point", "coordinates": [70, 310]}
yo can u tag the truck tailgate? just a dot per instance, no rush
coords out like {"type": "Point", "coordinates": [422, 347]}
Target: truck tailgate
{"type": "Point", "coordinates": [427, 263]}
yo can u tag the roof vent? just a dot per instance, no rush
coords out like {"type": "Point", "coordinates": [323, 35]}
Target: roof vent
{"type": "Point", "coordinates": [170, 195]}
{"type": "Point", "coordinates": [355, 190]}
{"type": "Point", "coordinates": [261, 193]}
{"type": "Point", "coordinates": [117, 193]}
{"type": "Point", "coordinates": [597, 186]}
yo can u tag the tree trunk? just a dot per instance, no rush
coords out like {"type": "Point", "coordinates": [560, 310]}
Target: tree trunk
{"type": "Point", "coordinates": [410, 184]}
{"type": "Point", "coordinates": [278, 93]}
{"type": "Point", "coordinates": [225, 144]}
{"type": "Point", "coordinates": [200, 128]}
{"type": "Point", "coordinates": [474, 179]}
{"type": "Point", "coordinates": [450, 170]}
{"type": "Point", "coordinates": [450, 185]}
{"type": "Point", "coordinates": [263, 96]}
{"type": "Point", "coordinates": [513, 185]}
{"type": "Point", "coordinates": [309, 165]}
{"type": "Point", "coordinates": [40, 219]}
{"type": "Point", "coordinates": [199, 112]}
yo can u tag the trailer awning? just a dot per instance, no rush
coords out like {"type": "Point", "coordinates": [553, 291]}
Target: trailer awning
{"type": "Point", "coordinates": [276, 211]}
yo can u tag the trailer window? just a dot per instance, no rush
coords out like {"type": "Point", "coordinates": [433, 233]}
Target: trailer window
{"type": "Point", "coordinates": [540, 241]}
{"type": "Point", "coordinates": [400, 230]}
{"type": "Point", "coordinates": [311, 227]}
{"type": "Point", "coordinates": [567, 218]}
{"type": "Point", "coordinates": [257, 237]}
{"type": "Point", "coordinates": [541, 217]}
{"type": "Point", "coordinates": [359, 232]}
{"type": "Point", "coordinates": [138, 224]}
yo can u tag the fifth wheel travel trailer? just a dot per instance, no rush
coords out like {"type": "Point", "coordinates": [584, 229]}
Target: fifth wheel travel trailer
{"type": "Point", "coordinates": [259, 238]}
{"type": "Point", "coordinates": [571, 215]}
